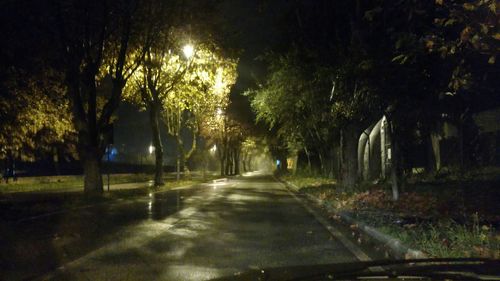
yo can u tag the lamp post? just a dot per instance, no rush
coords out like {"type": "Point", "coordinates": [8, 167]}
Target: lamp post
{"type": "Point", "coordinates": [188, 51]}
{"type": "Point", "coordinates": [151, 150]}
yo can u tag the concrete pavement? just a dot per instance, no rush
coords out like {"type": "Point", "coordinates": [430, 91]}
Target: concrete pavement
{"type": "Point", "coordinates": [199, 233]}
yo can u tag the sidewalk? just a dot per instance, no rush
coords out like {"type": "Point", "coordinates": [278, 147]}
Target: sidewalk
{"type": "Point", "coordinates": [79, 189]}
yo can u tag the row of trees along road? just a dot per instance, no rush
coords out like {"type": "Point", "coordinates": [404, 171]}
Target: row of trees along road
{"type": "Point", "coordinates": [70, 64]}
{"type": "Point", "coordinates": [181, 93]}
{"type": "Point", "coordinates": [350, 62]}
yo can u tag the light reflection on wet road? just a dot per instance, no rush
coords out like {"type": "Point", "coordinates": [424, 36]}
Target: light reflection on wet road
{"type": "Point", "coordinates": [197, 233]}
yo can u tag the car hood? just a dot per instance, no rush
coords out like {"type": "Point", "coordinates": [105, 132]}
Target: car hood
{"type": "Point", "coordinates": [469, 269]}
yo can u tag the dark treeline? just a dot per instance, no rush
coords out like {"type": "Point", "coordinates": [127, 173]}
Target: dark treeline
{"type": "Point", "coordinates": [372, 89]}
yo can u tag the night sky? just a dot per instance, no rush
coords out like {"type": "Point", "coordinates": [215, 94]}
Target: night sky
{"type": "Point", "coordinates": [255, 28]}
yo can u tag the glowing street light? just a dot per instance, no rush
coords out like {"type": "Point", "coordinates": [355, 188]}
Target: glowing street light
{"type": "Point", "coordinates": [188, 51]}
{"type": "Point", "coordinates": [151, 149]}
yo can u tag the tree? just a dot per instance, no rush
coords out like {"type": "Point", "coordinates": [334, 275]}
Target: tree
{"type": "Point", "coordinates": [199, 99]}
{"type": "Point", "coordinates": [34, 117]}
{"type": "Point", "coordinates": [309, 103]}
{"type": "Point", "coordinates": [99, 47]}
{"type": "Point", "coordinates": [162, 69]}
{"type": "Point", "coordinates": [288, 102]}
{"type": "Point", "coordinates": [227, 135]}
{"type": "Point", "coordinates": [182, 93]}
{"type": "Point", "coordinates": [466, 35]}
{"type": "Point", "coordinates": [248, 151]}
{"type": "Point", "coordinates": [175, 88]}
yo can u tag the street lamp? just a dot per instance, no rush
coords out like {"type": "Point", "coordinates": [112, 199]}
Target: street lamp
{"type": "Point", "coordinates": [151, 149]}
{"type": "Point", "coordinates": [188, 50]}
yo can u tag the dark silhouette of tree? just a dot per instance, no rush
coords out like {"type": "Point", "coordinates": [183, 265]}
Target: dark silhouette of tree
{"type": "Point", "coordinates": [99, 45]}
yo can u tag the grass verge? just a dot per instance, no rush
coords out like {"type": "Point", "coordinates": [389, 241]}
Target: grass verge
{"type": "Point", "coordinates": [421, 220]}
{"type": "Point", "coordinates": [66, 183]}
{"type": "Point", "coordinates": [446, 238]}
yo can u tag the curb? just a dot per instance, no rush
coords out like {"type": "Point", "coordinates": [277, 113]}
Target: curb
{"type": "Point", "coordinates": [396, 248]}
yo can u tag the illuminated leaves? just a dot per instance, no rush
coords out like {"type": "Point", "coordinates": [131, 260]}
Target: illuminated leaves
{"type": "Point", "coordinates": [198, 85]}
{"type": "Point", "coordinates": [34, 116]}
{"type": "Point", "coordinates": [469, 6]}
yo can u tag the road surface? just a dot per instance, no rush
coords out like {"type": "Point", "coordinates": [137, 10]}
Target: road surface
{"type": "Point", "coordinates": [207, 231]}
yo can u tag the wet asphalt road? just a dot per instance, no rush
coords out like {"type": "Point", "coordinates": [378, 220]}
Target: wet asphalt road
{"type": "Point", "coordinates": [199, 233]}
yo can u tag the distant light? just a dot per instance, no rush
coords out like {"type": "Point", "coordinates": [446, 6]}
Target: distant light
{"type": "Point", "coordinates": [278, 162]}
{"type": "Point", "coordinates": [188, 50]}
{"type": "Point", "coordinates": [219, 112]}
{"type": "Point", "coordinates": [214, 148]}
{"type": "Point", "coordinates": [151, 149]}
{"type": "Point", "coordinates": [111, 153]}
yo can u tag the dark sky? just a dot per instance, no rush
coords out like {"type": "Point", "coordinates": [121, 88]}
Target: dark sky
{"type": "Point", "coordinates": [252, 27]}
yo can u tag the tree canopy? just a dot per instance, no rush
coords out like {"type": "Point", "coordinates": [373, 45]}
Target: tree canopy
{"type": "Point", "coordinates": [350, 62]}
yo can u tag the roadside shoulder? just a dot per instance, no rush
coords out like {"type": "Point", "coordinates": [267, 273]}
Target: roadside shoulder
{"type": "Point", "coordinates": [391, 246]}
{"type": "Point", "coordinates": [337, 231]}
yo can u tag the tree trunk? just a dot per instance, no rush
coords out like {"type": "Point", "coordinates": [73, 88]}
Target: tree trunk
{"type": "Point", "coordinates": [331, 168]}
{"type": "Point", "coordinates": [178, 167]}
{"type": "Point", "coordinates": [55, 158]}
{"type": "Point", "coordinates": [244, 162]}
{"type": "Point", "coordinates": [322, 163]}
{"type": "Point", "coordinates": [222, 154]}
{"type": "Point", "coordinates": [308, 155]}
{"type": "Point", "coordinates": [222, 167]}
{"type": "Point", "coordinates": [460, 135]}
{"type": "Point", "coordinates": [154, 116]}
{"type": "Point", "coordinates": [338, 155]}
{"type": "Point", "coordinates": [236, 162]}
{"type": "Point", "coordinates": [349, 143]}
{"type": "Point", "coordinates": [204, 165]}
{"type": "Point", "coordinates": [181, 154]}
{"type": "Point", "coordinates": [90, 134]}
{"type": "Point", "coordinates": [91, 160]}
{"type": "Point", "coordinates": [283, 167]}
{"type": "Point", "coordinates": [228, 162]}
{"type": "Point", "coordinates": [249, 163]}
{"type": "Point", "coordinates": [186, 156]}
